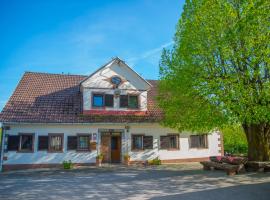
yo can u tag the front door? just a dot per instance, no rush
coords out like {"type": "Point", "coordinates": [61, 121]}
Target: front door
{"type": "Point", "coordinates": [105, 148]}
{"type": "Point", "coordinates": [115, 149]}
{"type": "Point", "coordinates": [111, 147]}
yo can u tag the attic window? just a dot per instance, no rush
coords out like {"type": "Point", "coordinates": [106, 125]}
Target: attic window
{"type": "Point", "coordinates": [116, 80]}
{"type": "Point", "coordinates": [129, 101]}
{"type": "Point", "coordinates": [98, 100]}
{"type": "Point", "coordinates": [101, 100]}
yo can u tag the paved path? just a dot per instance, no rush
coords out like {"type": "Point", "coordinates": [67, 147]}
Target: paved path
{"type": "Point", "coordinates": [187, 182]}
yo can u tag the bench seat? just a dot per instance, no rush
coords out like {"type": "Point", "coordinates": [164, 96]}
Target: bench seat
{"type": "Point", "coordinates": [258, 166]}
{"type": "Point", "coordinates": [228, 168]}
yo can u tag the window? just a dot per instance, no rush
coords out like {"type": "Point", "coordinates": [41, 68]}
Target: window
{"type": "Point", "coordinates": [100, 100]}
{"type": "Point", "coordinates": [26, 142]}
{"type": "Point", "coordinates": [56, 142]}
{"type": "Point", "coordinates": [81, 142]}
{"type": "Point", "coordinates": [169, 142]}
{"type": "Point", "coordinates": [43, 142]}
{"type": "Point", "coordinates": [141, 142]}
{"type": "Point", "coordinates": [137, 142]}
{"type": "Point", "coordinates": [133, 101]}
{"type": "Point", "coordinates": [97, 100]}
{"type": "Point", "coordinates": [129, 101]}
{"type": "Point", "coordinates": [108, 100]}
{"type": "Point", "coordinates": [116, 80]}
{"type": "Point", "coordinates": [13, 143]}
{"type": "Point", "coordinates": [198, 141]}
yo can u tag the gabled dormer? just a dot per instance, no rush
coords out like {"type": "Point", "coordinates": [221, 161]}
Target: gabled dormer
{"type": "Point", "coordinates": [114, 88]}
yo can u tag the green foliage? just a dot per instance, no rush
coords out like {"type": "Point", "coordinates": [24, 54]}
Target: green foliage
{"type": "Point", "coordinates": [155, 161]}
{"type": "Point", "coordinates": [126, 156]}
{"type": "Point", "coordinates": [100, 156]}
{"type": "Point", "coordinates": [67, 164]}
{"type": "Point", "coordinates": [235, 141]}
{"type": "Point", "coordinates": [218, 71]}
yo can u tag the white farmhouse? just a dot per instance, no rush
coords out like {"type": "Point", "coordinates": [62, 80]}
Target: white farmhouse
{"type": "Point", "coordinates": [51, 118]}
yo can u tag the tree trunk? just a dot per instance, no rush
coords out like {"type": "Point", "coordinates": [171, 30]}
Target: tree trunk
{"type": "Point", "coordinates": [258, 137]}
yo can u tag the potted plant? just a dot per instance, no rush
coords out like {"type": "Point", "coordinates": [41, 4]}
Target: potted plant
{"type": "Point", "coordinates": [99, 159]}
{"type": "Point", "coordinates": [67, 164]}
{"type": "Point", "coordinates": [127, 159]}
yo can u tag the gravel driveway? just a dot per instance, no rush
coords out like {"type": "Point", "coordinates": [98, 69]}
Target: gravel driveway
{"type": "Point", "coordinates": [186, 181]}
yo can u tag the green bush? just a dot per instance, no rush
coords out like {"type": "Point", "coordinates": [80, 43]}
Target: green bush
{"type": "Point", "coordinates": [155, 161]}
{"type": "Point", "coordinates": [235, 141]}
{"type": "Point", "coordinates": [100, 156]}
{"type": "Point", "coordinates": [67, 164]}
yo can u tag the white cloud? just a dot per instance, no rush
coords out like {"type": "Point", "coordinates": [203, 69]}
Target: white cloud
{"type": "Point", "coordinates": [149, 53]}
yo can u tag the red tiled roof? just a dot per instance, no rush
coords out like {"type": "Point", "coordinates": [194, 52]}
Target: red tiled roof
{"type": "Point", "coordinates": [56, 98]}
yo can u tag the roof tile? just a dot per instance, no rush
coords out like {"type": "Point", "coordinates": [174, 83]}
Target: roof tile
{"type": "Point", "coordinates": [56, 98]}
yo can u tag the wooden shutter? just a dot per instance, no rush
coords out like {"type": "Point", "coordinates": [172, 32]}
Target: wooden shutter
{"type": "Point", "coordinates": [206, 141]}
{"type": "Point", "coordinates": [72, 143]}
{"type": "Point", "coordinates": [147, 142]}
{"type": "Point", "coordinates": [13, 142]}
{"type": "Point", "coordinates": [123, 101]}
{"type": "Point", "coordinates": [164, 142]}
{"type": "Point", "coordinates": [109, 100]}
{"type": "Point", "coordinates": [42, 143]}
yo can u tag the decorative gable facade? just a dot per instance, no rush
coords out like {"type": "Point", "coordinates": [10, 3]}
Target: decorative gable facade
{"type": "Point", "coordinates": [51, 118]}
{"type": "Point", "coordinates": [115, 89]}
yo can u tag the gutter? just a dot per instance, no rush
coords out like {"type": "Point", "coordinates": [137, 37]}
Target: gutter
{"type": "Point", "coordinates": [2, 148]}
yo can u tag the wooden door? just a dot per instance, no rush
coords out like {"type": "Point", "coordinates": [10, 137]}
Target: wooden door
{"type": "Point", "coordinates": [106, 148]}
{"type": "Point", "coordinates": [115, 149]}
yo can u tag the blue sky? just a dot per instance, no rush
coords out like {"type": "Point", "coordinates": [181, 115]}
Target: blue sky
{"type": "Point", "coordinates": [77, 36]}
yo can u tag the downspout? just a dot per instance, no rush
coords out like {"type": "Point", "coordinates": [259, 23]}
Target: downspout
{"type": "Point", "coordinates": [2, 147]}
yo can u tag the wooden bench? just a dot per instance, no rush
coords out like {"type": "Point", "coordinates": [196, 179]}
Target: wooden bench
{"type": "Point", "coordinates": [258, 166]}
{"type": "Point", "coordinates": [231, 165]}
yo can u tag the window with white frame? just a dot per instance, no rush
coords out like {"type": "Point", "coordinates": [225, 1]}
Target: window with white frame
{"type": "Point", "coordinates": [141, 142]}
{"type": "Point", "coordinates": [199, 141]}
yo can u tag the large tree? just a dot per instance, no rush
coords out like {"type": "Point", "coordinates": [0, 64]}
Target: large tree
{"type": "Point", "coordinates": [218, 71]}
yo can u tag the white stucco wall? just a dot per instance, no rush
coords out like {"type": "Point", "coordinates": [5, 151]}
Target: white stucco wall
{"type": "Point", "coordinates": [100, 83]}
{"type": "Point", "coordinates": [155, 130]}
{"type": "Point", "coordinates": [101, 79]}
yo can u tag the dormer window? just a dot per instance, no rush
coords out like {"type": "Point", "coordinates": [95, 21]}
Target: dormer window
{"type": "Point", "coordinates": [101, 100]}
{"type": "Point", "coordinates": [129, 101]}
{"type": "Point", "coordinates": [98, 100]}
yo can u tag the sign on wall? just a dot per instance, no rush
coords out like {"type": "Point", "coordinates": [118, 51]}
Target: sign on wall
{"type": "Point", "coordinates": [94, 137]}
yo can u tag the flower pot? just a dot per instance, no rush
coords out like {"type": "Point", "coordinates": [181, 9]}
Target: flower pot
{"type": "Point", "coordinates": [127, 161]}
{"type": "Point", "coordinates": [98, 162]}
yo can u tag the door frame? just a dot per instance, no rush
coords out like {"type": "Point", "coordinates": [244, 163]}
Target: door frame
{"type": "Point", "coordinates": [110, 132]}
